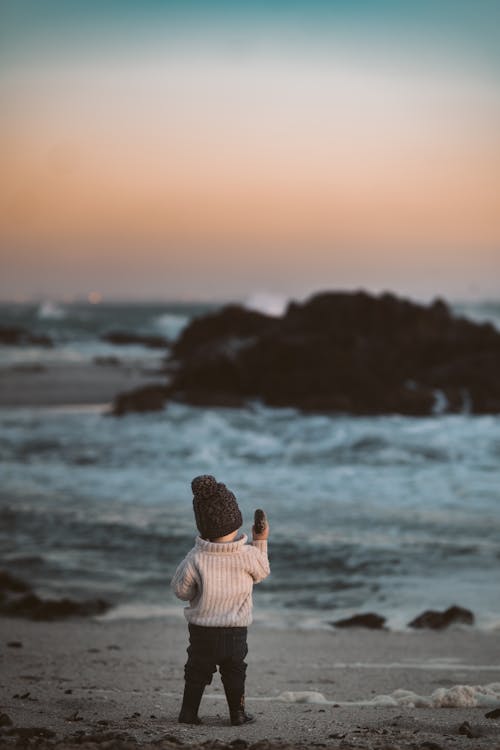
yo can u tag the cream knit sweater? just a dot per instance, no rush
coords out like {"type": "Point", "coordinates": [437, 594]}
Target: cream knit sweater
{"type": "Point", "coordinates": [217, 578]}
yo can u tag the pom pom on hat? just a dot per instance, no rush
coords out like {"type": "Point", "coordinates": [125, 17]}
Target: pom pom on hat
{"type": "Point", "coordinates": [204, 485]}
{"type": "Point", "coordinates": [215, 507]}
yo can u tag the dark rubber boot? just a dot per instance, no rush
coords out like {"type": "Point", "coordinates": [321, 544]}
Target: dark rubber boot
{"type": "Point", "coordinates": [237, 713]}
{"type": "Point", "coordinates": [240, 717]}
{"type": "Point", "coordinates": [190, 704]}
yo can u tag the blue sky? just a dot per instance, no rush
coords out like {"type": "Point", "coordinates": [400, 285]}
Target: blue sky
{"type": "Point", "coordinates": [472, 27]}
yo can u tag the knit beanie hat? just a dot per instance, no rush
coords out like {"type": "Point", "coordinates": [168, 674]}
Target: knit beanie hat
{"type": "Point", "coordinates": [215, 508]}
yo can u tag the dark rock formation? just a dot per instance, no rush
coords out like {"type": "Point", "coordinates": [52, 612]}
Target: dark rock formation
{"type": "Point", "coordinates": [146, 398]}
{"type": "Point", "coordinates": [342, 352]}
{"type": "Point", "coordinates": [438, 620]}
{"type": "Point", "coordinates": [366, 620]}
{"type": "Point", "coordinates": [33, 607]}
{"type": "Point", "coordinates": [17, 599]}
{"type": "Point", "coordinates": [495, 714]}
{"type": "Point", "coordinates": [232, 323]}
{"type": "Point", "coordinates": [18, 336]}
{"type": "Point", "coordinates": [124, 338]}
{"type": "Point", "coordinates": [9, 583]}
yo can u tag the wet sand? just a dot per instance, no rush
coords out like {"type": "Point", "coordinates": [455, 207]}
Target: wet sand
{"type": "Point", "coordinates": [110, 678]}
{"type": "Point", "coordinates": [65, 384]}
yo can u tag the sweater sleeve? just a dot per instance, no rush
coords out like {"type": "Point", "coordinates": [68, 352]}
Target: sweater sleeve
{"type": "Point", "coordinates": [260, 562]}
{"type": "Point", "coordinates": [185, 581]}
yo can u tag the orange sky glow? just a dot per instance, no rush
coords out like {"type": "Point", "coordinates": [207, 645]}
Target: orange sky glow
{"type": "Point", "coordinates": [247, 168]}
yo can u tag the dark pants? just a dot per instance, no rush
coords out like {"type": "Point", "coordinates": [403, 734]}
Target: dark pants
{"type": "Point", "coordinates": [209, 647]}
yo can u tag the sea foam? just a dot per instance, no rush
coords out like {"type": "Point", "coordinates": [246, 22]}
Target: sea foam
{"type": "Point", "coordinates": [171, 324]}
{"type": "Point", "coordinates": [457, 696]}
{"type": "Point", "coordinates": [267, 302]}
{"type": "Point", "coordinates": [50, 311]}
{"type": "Point", "coordinates": [302, 696]}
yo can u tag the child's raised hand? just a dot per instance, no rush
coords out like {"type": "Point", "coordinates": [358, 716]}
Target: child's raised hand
{"type": "Point", "coordinates": [260, 529]}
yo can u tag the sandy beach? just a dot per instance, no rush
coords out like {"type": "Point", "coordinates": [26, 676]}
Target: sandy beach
{"type": "Point", "coordinates": [61, 384]}
{"type": "Point", "coordinates": [103, 679]}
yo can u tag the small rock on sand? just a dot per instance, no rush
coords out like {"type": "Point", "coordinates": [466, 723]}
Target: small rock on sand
{"type": "Point", "coordinates": [465, 728]}
{"type": "Point", "coordinates": [366, 620]}
{"type": "Point", "coordinates": [495, 714]}
{"type": "Point", "coordinates": [437, 620]}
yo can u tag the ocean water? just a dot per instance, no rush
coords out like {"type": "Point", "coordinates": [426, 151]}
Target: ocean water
{"type": "Point", "coordinates": [389, 514]}
{"type": "Point", "coordinates": [76, 329]}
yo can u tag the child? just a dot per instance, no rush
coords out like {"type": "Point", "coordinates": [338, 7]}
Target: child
{"type": "Point", "coordinates": [217, 578]}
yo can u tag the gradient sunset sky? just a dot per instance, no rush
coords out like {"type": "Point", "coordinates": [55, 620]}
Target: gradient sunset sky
{"type": "Point", "coordinates": [211, 150]}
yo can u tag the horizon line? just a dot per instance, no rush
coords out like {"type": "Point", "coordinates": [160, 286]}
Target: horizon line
{"type": "Point", "coordinates": [252, 297]}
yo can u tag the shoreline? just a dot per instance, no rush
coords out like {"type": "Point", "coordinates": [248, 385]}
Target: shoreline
{"type": "Point", "coordinates": [305, 687]}
{"type": "Point", "coordinates": [55, 384]}
{"type": "Point", "coordinates": [310, 620]}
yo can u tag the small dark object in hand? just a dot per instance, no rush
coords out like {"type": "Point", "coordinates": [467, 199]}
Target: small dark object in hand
{"type": "Point", "coordinates": [260, 521]}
